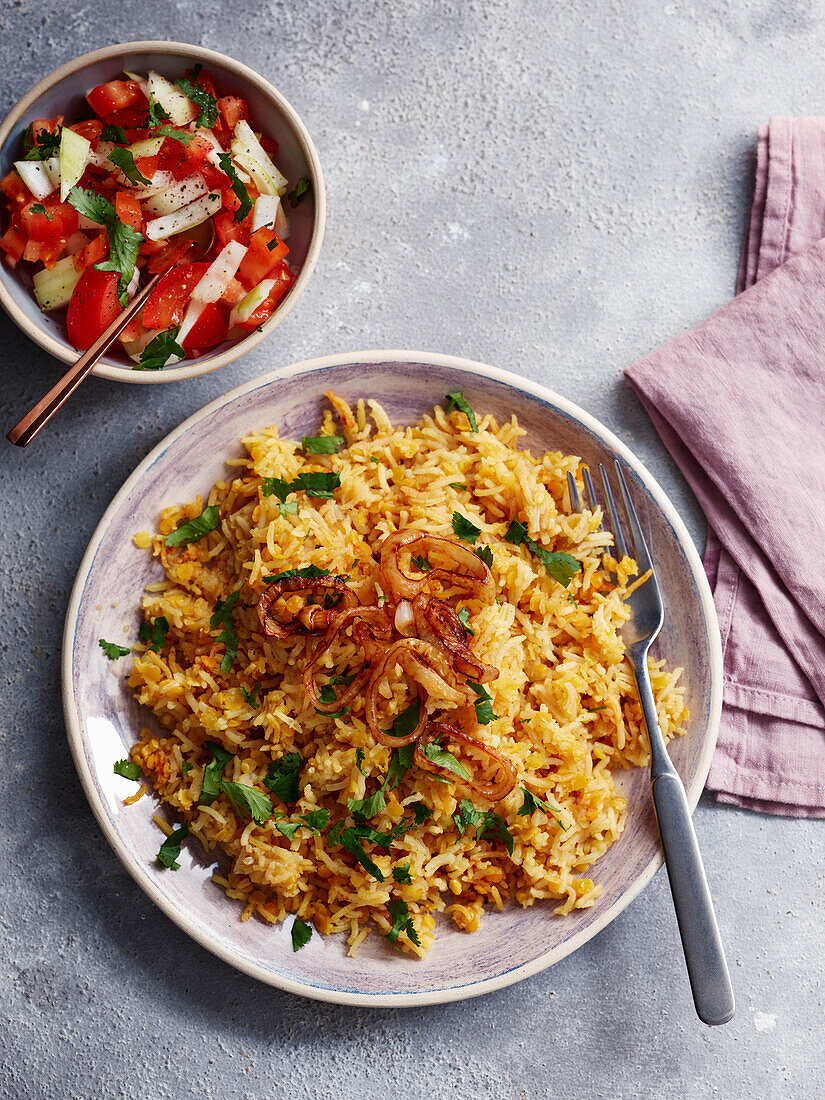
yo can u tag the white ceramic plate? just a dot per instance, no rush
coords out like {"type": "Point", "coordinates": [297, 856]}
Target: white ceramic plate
{"type": "Point", "coordinates": [103, 719]}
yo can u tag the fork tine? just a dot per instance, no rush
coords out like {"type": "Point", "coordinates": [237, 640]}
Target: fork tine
{"type": "Point", "coordinates": [589, 489]}
{"type": "Point", "coordinates": [575, 501]}
{"type": "Point", "coordinates": [640, 550]}
{"type": "Point", "coordinates": [620, 546]}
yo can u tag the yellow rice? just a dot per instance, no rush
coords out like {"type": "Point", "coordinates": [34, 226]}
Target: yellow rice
{"type": "Point", "coordinates": [568, 712]}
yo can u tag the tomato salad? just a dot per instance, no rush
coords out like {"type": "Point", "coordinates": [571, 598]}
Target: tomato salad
{"type": "Point", "coordinates": [99, 206]}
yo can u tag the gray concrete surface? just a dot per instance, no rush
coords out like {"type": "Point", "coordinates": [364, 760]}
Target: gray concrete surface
{"type": "Point", "coordinates": [552, 188]}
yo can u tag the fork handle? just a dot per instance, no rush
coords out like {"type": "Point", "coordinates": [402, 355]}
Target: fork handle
{"type": "Point", "coordinates": [701, 942]}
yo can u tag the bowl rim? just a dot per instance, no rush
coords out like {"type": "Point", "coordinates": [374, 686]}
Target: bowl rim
{"type": "Point", "coordinates": [148, 882]}
{"type": "Point", "coordinates": [196, 367]}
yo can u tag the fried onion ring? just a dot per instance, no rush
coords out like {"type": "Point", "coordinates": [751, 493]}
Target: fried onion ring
{"type": "Point", "coordinates": [310, 618]}
{"type": "Point", "coordinates": [494, 792]}
{"type": "Point", "coordinates": [471, 574]}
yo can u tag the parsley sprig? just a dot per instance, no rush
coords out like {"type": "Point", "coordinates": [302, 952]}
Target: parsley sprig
{"type": "Point", "coordinates": [112, 650]}
{"type": "Point", "coordinates": [203, 100]}
{"type": "Point", "coordinates": [159, 349]}
{"type": "Point", "coordinates": [485, 823]}
{"type": "Point", "coordinates": [236, 183]}
{"type": "Point", "coordinates": [401, 922]}
{"type": "Point", "coordinates": [195, 529]}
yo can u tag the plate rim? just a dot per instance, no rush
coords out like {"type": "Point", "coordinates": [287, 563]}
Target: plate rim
{"type": "Point", "coordinates": [147, 882]}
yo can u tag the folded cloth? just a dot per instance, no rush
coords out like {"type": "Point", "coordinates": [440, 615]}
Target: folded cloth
{"type": "Point", "coordinates": [740, 404]}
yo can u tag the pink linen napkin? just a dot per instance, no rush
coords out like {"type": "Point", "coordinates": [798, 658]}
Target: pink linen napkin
{"type": "Point", "coordinates": [740, 404]}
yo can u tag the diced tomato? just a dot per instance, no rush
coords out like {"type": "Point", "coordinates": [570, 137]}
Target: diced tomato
{"type": "Point", "coordinates": [208, 330]}
{"type": "Point", "coordinates": [127, 208]}
{"type": "Point", "coordinates": [184, 160]}
{"type": "Point", "coordinates": [96, 250]}
{"type": "Point", "coordinates": [167, 303]}
{"type": "Point", "coordinates": [233, 109]}
{"type": "Point", "coordinates": [283, 281]}
{"type": "Point", "coordinates": [93, 307]}
{"type": "Point", "coordinates": [90, 130]}
{"type": "Point", "coordinates": [134, 120]}
{"type": "Point", "coordinates": [14, 188]}
{"type": "Point", "coordinates": [259, 260]}
{"type": "Point", "coordinates": [114, 95]}
{"type": "Point", "coordinates": [45, 252]}
{"type": "Point", "coordinates": [13, 242]}
{"type": "Point", "coordinates": [213, 177]}
{"type": "Point", "coordinates": [227, 229]}
{"type": "Point", "coordinates": [133, 331]}
{"type": "Point", "coordinates": [204, 79]}
{"type": "Point", "coordinates": [170, 252]}
{"type": "Point", "coordinates": [56, 220]}
{"type": "Point", "coordinates": [234, 292]}
{"type": "Point", "coordinates": [147, 166]}
{"type": "Point", "coordinates": [269, 144]}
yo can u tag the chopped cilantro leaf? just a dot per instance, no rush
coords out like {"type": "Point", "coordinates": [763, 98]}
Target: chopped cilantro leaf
{"type": "Point", "coordinates": [401, 922]}
{"type": "Point", "coordinates": [301, 188]}
{"type": "Point", "coordinates": [113, 650]}
{"type": "Point", "coordinates": [115, 134]}
{"type": "Point", "coordinates": [420, 811]}
{"type": "Point", "coordinates": [464, 619]}
{"type": "Point", "coordinates": [47, 145]}
{"type": "Point", "coordinates": [459, 485]}
{"type": "Point", "coordinates": [128, 769]}
{"type": "Point", "coordinates": [442, 758]}
{"type": "Point", "coordinates": [39, 208]}
{"type": "Point", "coordinates": [420, 562]}
{"type": "Point", "coordinates": [251, 697]}
{"type": "Point", "coordinates": [288, 828]}
{"type": "Point", "coordinates": [375, 460]}
{"type": "Point", "coordinates": [213, 773]}
{"type": "Point", "coordinates": [532, 802]}
{"type": "Point", "coordinates": [282, 778]}
{"type": "Point", "coordinates": [156, 113]}
{"type": "Point", "coordinates": [237, 186]}
{"type": "Point", "coordinates": [561, 567]}
{"type": "Point", "coordinates": [316, 820]}
{"type": "Point", "coordinates": [276, 487]}
{"type": "Point", "coordinates": [369, 807]}
{"type": "Point", "coordinates": [484, 704]}
{"type": "Point", "coordinates": [405, 722]}
{"type": "Point", "coordinates": [124, 242]}
{"type": "Point", "coordinates": [183, 136]}
{"type": "Point", "coordinates": [458, 401]}
{"type": "Point", "coordinates": [206, 103]}
{"type": "Point", "coordinates": [301, 934]}
{"type": "Point", "coordinates": [464, 529]}
{"type": "Point", "coordinates": [125, 161]}
{"type": "Point", "coordinates": [316, 484]}
{"type": "Point", "coordinates": [484, 822]}
{"type": "Point", "coordinates": [592, 710]}
{"type": "Point", "coordinates": [321, 444]}
{"type": "Point", "coordinates": [248, 800]}
{"type": "Point", "coordinates": [159, 349]}
{"type": "Point", "coordinates": [195, 529]}
{"type": "Point", "coordinates": [359, 761]}
{"type": "Point", "coordinates": [154, 635]}
{"type": "Point", "coordinates": [304, 571]}
{"type": "Point", "coordinates": [170, 849]}
{"type": "Point", "coordinates": [400, 763]}
{"type": "Point", "coordinates": [222, 616]}
{"type": "Point", "coordinates": [401, 873]}
{"type": "Point", "coordinates": [185, 768]}
{"type": "Point", "coordinates": [486, 555]}
{"type": "Point", "coordinates": [351, 840]}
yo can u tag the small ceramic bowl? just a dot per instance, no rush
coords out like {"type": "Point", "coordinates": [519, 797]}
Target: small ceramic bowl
{"type": "Point", "coordinates": [103, 719]}
{"type": "Point", "coordinates": [63, 92]}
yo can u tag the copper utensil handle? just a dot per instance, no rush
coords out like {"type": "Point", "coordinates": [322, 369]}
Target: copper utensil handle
{"type": "Point", "coordinates": [26, 429]}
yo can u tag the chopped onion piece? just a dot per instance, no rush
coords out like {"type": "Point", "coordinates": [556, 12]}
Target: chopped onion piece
{"type": "Point", "coordinates": [265, 211]}
{"type": "Point", "coordinates": [141, 81]}
{"type": "Point", "coordinates": [52, 166]}
{"type": "Point", "coordinates": [180, 108]}
{"type": "Point", "coordinates": [76, 243]}
{"type": "Point", "coordinates": [255, 172]}
{"type": "Point", "coordinates": [281, 222]}
{"type": "Point", "coordinates": [243, 135]}
{"type": "Point", "coordinates": [161, 181]}
{"type": "Point", "coordinates": [220, 273]}
{"type": "Point", "coordinates": [149, 147]}
{"type": "Point", "coordinates": [35, 177]}
{"type": "Point", "coordinates": [243, 310]}
{"type": "Point", "coordinates": [173, 198]}
{"type": "Point", "coordinates": [193, 312]}
{"type": "Point", "coordinates": [99, 156]}
{"type": "Point", "coordinates": [73, 157]}
{"type": "Point", "coordinates": [185, 218]}
{"type": "Point", "coordinates": [405, 618]}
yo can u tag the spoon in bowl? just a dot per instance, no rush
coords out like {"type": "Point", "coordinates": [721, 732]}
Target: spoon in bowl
{"type": "Point", "coordinates": [26, 429]}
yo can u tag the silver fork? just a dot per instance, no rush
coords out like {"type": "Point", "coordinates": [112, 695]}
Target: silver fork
{"type": "Point", "coordinates": [701, 942]}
